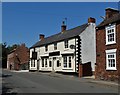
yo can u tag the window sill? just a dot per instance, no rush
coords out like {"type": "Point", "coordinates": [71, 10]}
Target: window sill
{"type": "Point", "coordinates": [66, 49]}
{"type": "Point", "coordinates": [46, 52]}
{"type": "Point", "coordinates": [111, 69]}
{"type": "Point", "coordinates": [112, 43]}
{"type": "Point", "coordinates": [67, 69]}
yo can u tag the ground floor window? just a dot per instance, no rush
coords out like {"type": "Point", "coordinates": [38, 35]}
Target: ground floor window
{"type": "Point", "coordinates": [42, 62]}
{"type": "Point", "coordinates": [58, 63]}
{"type": "Point", "coordinates": [111, 59]}
{"type": "Point", "coordinates": [67, 61]}
{"type": "Point", "coordinates": [70, 62]}
{"type": "Point", "coordinates": [32, 63]}
{"type": "Point", "coordinates": [50, 63]}
{"type": "Point", "coordinates": [45, 62]}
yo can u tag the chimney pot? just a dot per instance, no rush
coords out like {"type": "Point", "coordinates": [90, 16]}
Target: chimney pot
{"type": "Point", "coordinates": [41, 37]}
{"type": "Point", "coordinates": [23, 44]}
{"type": "Point", "coordinates": [91, 20]}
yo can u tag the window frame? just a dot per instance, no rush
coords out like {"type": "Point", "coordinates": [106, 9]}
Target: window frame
{"type": "Point", "coordinates": [46, 48]}
{"type": "Point", "coordinates": [70, 62]}
{"type": "Point", "coordinates": [108, 29]}
{"type": "Point", "coordinates": [65, 61]}
{"type": "Point", "coordinates": [109, 53]}
{"type": "Point", "coordinates": [66, 44]}
{"type": "Point", "coordinates": [50, 63]}
{"type": "Point", "coordinates": [43, 62]}
{"type": "Point", "coordinates": [55, 46]}
{"type": "Point", "coordinates": [32, 63]}
{"type": "Point", "coordinates": [46, 62]}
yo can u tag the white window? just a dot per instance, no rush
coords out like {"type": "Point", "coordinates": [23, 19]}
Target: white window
{"type": "Point", "coordinates": [110, 35]}
{"type": "Point", "coordinates": [58, 63]}
{"type": "Point", "coordinates": [111, 59]}
{"type": "Point", "coordinates": [46, 48]}
{"type": "Point", "coordinates": [42, 62]}
{"type": "Point", "coordinates": [32, 63]}
{"type": "Point", "coordinates": [50, 63]}
{"type": "Point", "coordinates": [66, 43]}
{"type": "Point", "coordinates": [65, 61]}
{"type": "Point", "coordinates": [55, 46]}
{"type": "Point", "coordinates": [69, 61]}
{"type": "Point", "coordinates": [45, 62]}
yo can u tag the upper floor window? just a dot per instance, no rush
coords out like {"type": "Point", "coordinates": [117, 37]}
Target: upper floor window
{"type": "Point", "coordinates": [55, 46]}
{"type": "Point", "coordinates": [111, 59]}
{"type": "Point", "coordinates": [110, 34]}
{"type": "Point", "coordinates": [66, 43]}
{"type": "Point", "coordinates": [46, 48]}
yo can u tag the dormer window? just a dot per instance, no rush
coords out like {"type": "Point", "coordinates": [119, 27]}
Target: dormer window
{"type": "Point", "coordinates": [55, 46]}
{"type": "Point", "coordinates": [66, 43]}
{"type": "Point", "coordinates": [110, 35]}
{"type": "Point", "coordinates": [46, 48]}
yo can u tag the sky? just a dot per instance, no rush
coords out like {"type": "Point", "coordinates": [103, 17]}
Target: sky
{"type": "Point", "coordinates": [22, 22]}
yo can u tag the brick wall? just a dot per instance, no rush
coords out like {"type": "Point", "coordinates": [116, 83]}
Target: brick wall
{"type": "Point", "coordinates": [10, 60]}
{"type": "Point", "coordinates": [101, 72]}
{"type": "Point", "coordinates": [20, 57]}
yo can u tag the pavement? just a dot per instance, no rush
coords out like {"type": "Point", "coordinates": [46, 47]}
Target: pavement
{"type": "Point", "coordinates": [20, 71]}
{"type": "Point", "coordinates": [90, 79]}
{"type": "Point", "coordinates": [93, 80]}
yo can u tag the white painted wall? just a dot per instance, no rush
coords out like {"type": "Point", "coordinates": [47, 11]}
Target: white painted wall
{"type": "Point", "coordinates": [88, 45]}
{"type": "Point", "coordinates": [88, 51]}
{"type": "Point", "coordinates": [60, 47]}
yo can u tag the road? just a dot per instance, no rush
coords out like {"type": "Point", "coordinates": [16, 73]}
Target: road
{"type": "Point", "coordinates": [37, 82]}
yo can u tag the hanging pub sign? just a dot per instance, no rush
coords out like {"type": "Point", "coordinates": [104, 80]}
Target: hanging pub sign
{"type": "Point", "coordinates": [34, 55]}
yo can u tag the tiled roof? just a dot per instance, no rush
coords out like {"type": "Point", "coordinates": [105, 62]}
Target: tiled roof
{"type": "Point", "coordinates": [113, 19]}
{"type": "Point", "coordinates": [61, 36]}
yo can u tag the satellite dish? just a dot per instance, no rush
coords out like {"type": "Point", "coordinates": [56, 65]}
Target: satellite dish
{"type": "Point", "coordinates": [72, 46]}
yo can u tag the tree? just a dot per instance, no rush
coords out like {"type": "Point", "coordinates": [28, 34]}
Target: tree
{"type": "Point", "coordinates": [4, 55]}
{"type": "Point", "coordinates": [0, 54]}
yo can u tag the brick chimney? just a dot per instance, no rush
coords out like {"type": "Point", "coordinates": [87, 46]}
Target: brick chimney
{"type": "Point", "coordinates": [23, 44]}
{"type": "Point", "coordinates": [91, 20]}
{"type": "Point", "coordinates": [111, 12]}
{"type": "Point", "coordinates": [41, 37]}
{"type": "Point", "coordinates": [63, 27]}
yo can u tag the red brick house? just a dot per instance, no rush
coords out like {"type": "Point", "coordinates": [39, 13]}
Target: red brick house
{"type": "Point", "coordinates": [18, 58]}
{"type": "Point", "coordinates": [108, 46]}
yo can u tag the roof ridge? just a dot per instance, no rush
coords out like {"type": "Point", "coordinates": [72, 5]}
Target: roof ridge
{"type": "Point", "coordinates": [61, 36]}
{"type": "Point", "coordinates": [65, 31]}
{"type": "Point", "coordinates": [112, 19]}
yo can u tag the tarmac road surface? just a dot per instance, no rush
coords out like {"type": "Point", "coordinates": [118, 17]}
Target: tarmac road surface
{"type": "Point", "coordinates": [37, 82]}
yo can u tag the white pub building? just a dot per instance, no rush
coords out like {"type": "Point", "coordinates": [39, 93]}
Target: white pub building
{"type": "Point", "coordinates": [63, 52]}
